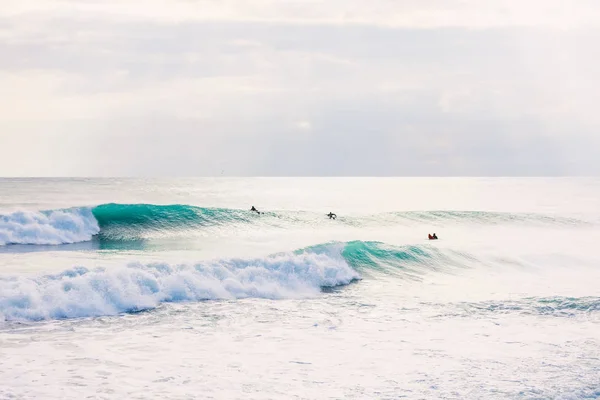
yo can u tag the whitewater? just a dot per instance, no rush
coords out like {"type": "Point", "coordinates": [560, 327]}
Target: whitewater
{"type": "Point", "coordinates": [173, 289]}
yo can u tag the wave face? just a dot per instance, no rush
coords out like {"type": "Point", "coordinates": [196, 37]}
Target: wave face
{"type": "Point", "coordinates": [408, 262]}
{"type": "Point", "coordinates": [81, 292]}
{"type": "Point", "coordinates": [138, 221]}
{"type": "Point", "coordinates": [131, 222]}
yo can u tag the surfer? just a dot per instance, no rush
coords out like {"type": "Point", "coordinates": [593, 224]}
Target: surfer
{"type": "Point", "coordinates": [432, 237]}
{"type": "Point", "coordinates": [255, 210]}
{"type": "Point", "coordinates": [331, 215]}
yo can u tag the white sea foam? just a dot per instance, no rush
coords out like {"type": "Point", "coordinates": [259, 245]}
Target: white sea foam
{"type": "Point", "coordinates": [47, 228]}
{"type": "Point", "coordinates": [80, 292]}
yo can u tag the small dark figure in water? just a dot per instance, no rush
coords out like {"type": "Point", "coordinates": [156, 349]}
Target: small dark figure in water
{"type": "Point", "coordinates": [332, 215]}
{"type": "Point", "coordinates": [255, 210]}
{"type": "Point", "coordinates": [432, 237]}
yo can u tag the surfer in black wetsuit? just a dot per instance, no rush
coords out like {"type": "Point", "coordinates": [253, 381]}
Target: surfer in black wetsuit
{"type": "Point", "coordinates": [331, 215]}
{"type": "Point", "coordinates": [255, 210]}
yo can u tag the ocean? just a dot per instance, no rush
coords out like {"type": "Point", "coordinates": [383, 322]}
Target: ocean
{"type": "Point", "coordinates": [174, 289]}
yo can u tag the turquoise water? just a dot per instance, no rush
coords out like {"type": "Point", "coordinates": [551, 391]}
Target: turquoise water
{"type": "Point", "coordinates": [147, 288]}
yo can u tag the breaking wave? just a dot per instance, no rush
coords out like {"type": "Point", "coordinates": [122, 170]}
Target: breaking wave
{"type": "Point", "coordinates": [48, 227]}
{"type": "Point", "coordinates": [83, 292]}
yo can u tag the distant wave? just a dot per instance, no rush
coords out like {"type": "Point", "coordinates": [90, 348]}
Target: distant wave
{"type": "Point", "coordinates": [130, 222]}
{"type": "Point", "coordinates": [566, 307]}
{"type": "Point", "coordinates": [82, 292]}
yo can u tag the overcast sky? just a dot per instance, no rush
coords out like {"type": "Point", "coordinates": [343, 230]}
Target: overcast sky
{"type": "Point", "coordinates": [312, 87]}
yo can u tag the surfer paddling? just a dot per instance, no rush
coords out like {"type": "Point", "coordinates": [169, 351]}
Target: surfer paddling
{"type": "Point", "coordinates": [255, 210]}
{"type": "Point", "coordinates": [332, 215]}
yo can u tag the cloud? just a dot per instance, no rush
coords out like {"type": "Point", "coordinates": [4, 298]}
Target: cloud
{"type": "Point", "coordinates": [381, 88]}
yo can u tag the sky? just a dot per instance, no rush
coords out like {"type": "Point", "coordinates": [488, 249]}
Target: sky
{"type": "Point", "coordinates": [299, 88]}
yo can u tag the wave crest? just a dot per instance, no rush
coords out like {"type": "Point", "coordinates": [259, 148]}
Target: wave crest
{"type": "Point", "coordinates": [134, 222]}
{"type": "Point", "coordinates": [80, 292]}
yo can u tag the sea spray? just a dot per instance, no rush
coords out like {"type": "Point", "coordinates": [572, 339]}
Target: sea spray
{"type": "Point", "coordinates": [80, 292]}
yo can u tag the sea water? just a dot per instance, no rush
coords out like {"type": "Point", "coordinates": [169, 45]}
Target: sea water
{"type": "Point", "coordinates": [173, 289]}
